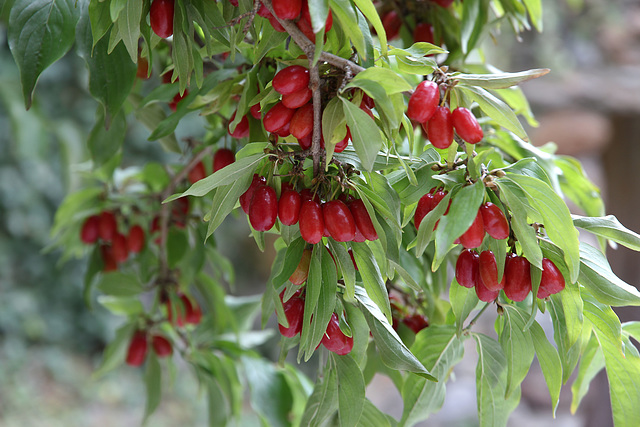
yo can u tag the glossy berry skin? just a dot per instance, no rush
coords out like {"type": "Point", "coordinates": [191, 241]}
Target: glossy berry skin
{"type": "Point", "coordinates": [119, 248]}
{"type": "Point", "coordinates": [287, 9]}
{"type": "Point", "coordinates": [275, 24]}
{"type": "Point", "coordinates": [294, 311]}
{"type": "Point", "coordinates": [135, 239]}
{"type": "Point", "coordinates": [340, 146]}
{"type": "Point", "coordinates": [425, 205]}
{"type": "Point", "coordinates": [334, 340]}
{"type": "Point", "coordinates": [137, 351]}
{"type": "Point", "coordinates": [339, 221]}
{"type": "Point", "coordinates": [245, 198]}
{"type": "Point", "coordinates": [289, 207]}
{"type": "Point", "coordinates": [440, 128]}
{"type": "Point", "coordinates": [391, 23]}
{"type": "Point", "coordinates": [467, 268]}
{"type": "Point", "coordinates": [363, 220]}
{"type": "Point", "coordinates": [277, 117]}
{"type": "Point", "coordinates": [416, 322]}
{"type": "Point", "coordinates": [223, 157]}
{"type": "Point", "coordinates": [302, 122]}
{"type": "Point", "coordinates": [291, 79]}
{"type": "Point", "coordinates": [255, 111]}
{"type": "Point", "coordinates": [517, 283]}
{"type": "Point", "coordinates": [472, 238]}
{"type": "Point", "coordinates": [423, 33]}
{"type": "Point", "coordinates": [311, 221]}
{"type": "Point", "coordinates": [161, 346]}
{"type": "Point", "coordinates": [466, 125]}
{"type": "Point", "coordinates": [552, 280]}
{"type": "Point", "coordinates": [263, 210]}
{"type": "Point", "coordinates": [301, 273]}
{"type": "Point", "coordinates": [423, 102]}
{"type": "Point", "coordinates": [297, 99]}
{"type": "Point", "coordinates": [161, 17]}
{"type": "Point", "coordinates": [90, 231]}
{"type": "Point", "coordinates": [488, 272]}
{"type": "Point", "coordinates": [494, 221]}
{"type": "Point", "coordinates": [108, 226]}
{"type": "Point", "coordinates": [197, 173]}
{"type": "Point", "coordinates": [485, 294]}
{"type": "Point", "coordinates": [242, 128]}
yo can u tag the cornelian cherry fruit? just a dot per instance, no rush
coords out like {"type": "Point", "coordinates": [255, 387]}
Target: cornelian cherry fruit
{"type": "Point", "coordinates": [297, 99]}
{"type": "Point", "coordinates": [363, 220]}
{"type": "Point", "coordinates": [552, 280]}
{"type": "Point", "coordinates": [311, 221]}
{"type": "Point", "coordinates": [291, 79]}
{"type": "Point", "coordinates": [119, 248]}
{"type": "Point", "coordinates": [294, 312]}
{"type": "Point", "coordinates": [263, 210]}
{"type": "Point", "coordinates": [289, 207]}
{"type": "Point", "coordinates": [466, 125]}
{"type": "Point", "coordinates": [423, 33]}
{"type": "Point", "coordinates": [108, 226]}
{"type": "Point", "coordinates": [197, 173]}
{"type": "Point", "coordinates": [287, 9]}
{"type": "Point", "coordinates": [488, 269]}
{"type": "Point", "coordinates": [440, 128]}
{"type": "Point", "coordinates": [137, 351]}
{"type": "Point", "coordinates": [242, 128]}
{"type": "Point", "coordinates": [339, 221]}
{"type": "Point", "coordinates": [335, 340]}
{"type": "Point", "coordinates": [90, 231]}
{"type": "Point", "coordinates": [161, 346]}
{"type": "Point", "coordinates": [517, 272]}
{"type": "Point", "coordinates": [255, 111]}
{"type": "Point", "coordinates": [245, 198]}
{"type": "Point", "coordinates": [423, 102]}
{"type": "Point", "coordinates": [484, 294]}
{"type": "Point", "coordinates": [425, 205]}
{"type": "Point", "coordinates": [302, 122]}
{"type": "Point", "coordinates": [416, 322]}
{"type": "Point", "coordinates": [223, 157]}
{"type": "Point", "coordinates": [135, 239]}
{"type": "Point", "coordinates": [277, 117]}
{"type": "Point", "coordinates": [161, 17]}
{"type": "Point", "coordinates": [472, 238]}
{"type": "Point", "coordinates": [467, 268]}
{"type": "Point", "coordinates": [443, 3]}
{"type": "Point", "coordinates": [391, 23]}
{"type": "Point", "coordinates": [108, 261]}
{"type": "Point", "coordinates": [494, 221]}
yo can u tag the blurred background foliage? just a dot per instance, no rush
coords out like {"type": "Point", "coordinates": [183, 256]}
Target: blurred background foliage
{"type": "Point", "coordinates": [50, 342]}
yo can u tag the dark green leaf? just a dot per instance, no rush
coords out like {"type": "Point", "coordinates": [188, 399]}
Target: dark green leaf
{"type": "Point", "coordinates": [105, 143]}
{"type": "Point", "coordinates": [518, 347]}
{"type": "Point", "coordinates": [369, 11]}
{"type": "Point", "coordinates": [114, 353]}
{"type": "Point", "coordinates": [371, 277]}
{"type": "Point", "coordinates": [153, 383]}
{"type": "Point", "coordinates": [474, 19]}
{"type": "Point", "coordinates": [351, 388]}
{"type": "Point", "coordinates": [225, 200]}
{"type": "Point", "coordinates": [120, 284]}
{"type": "Point", "coordinates": [122, 306]}
{"type": "Point", "coordinates": [323, 402]}
{"type": "Point", "coordinates": [270, 394]}
{"type": "Point", "coordinates": [365, 134]}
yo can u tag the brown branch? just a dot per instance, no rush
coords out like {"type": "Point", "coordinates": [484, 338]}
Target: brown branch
{"type": "Point", "coordinates": [316, 149]}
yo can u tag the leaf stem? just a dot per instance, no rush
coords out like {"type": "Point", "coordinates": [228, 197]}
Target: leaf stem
{"type": "Point", "coordinates": [475, 319]}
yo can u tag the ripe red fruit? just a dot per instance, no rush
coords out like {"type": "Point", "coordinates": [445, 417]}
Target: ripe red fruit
{"type": "Point", "coordinates": [291, 79]}
{"type": "Point", "coordinates": [173, 105]}
{"type": "Point", "coordinates": [484, 294]}
{"type": "Point", "coordinates": [263, 210]}
{"type": "Point", "coordinates": [391, 23]}
{"type": "Point", "coordinates": [142, 71]}
{"type": "Point", "coordinates": [135, 239]}
{"type": "Point", "coordinates": [340, 146]}
{"type": "Point", "coordinates": [301, 273]}
{"type": "Point", "coordinates": [467, 268]}
{"type": "Point", "coordinates": [263, 11]}
{"type": "Point", "coordinates": [552, 280]}
{"type": "Point", "coordinates": [108, 261]}
{"type": "Point", "coordinates": [90, 230]}
{"type": "Point", "coordinates": [423, 33]}
{"type": "Point", "coordinates": [472, 238]}
{"type": "Point", "coordinates": [517, 283]}
{"type": "Point", "coordinates": [363, 220]}
{"type": "Point", "coordinates": [306, 194]}
{"type": "Point", "coordinates": [494, 221]}
{"type": "Point", "coordinates": [284, 131]}
{"type": "Point", "coordinates": [425, 205]}
{"type": "Point", "coordinates": [287, 9]}
{"type": "Point", "coordinates": [297, 99]}
{"type": "Point", "coordinates": [161, 346]}
{"type": "Point", "coordinates": [277, 117]}
{"type": "Point", "coordinates": [305, 18]}
{"type": "Point", "coordinates": [311, 221]}
{"type": "Point", "coordinates": [119, 248]}
{"type": "Point", "coordinates": [245, 199]}
{"type": "Point", "coordinates": [289, 207]}
{"type": "Point", "coordinates": [440, 128]}
{"type": "Point", "coordinates": [302, 122]}
{"type": "Point", "coordinates": [242, 128]}
{"type": "Point", "coordinates": [223, 157]}
{"type": "Point", "coordinates": [294, 312]}
{"type": "Point", "coordinates": [186, 311]}
{"type": "Point", "coordinates": [137, 351]}
{"type": "Point", "coordinates": [339, 221]}
{"type": "Point", "coordinates": [466, 125]}
{"type": "Point", "coordinates": [275, 24]}
{"type": "Point", "coordinates": [197, 173]}
{"type": "Point", "coordinates": [255, 111]}
{"type": "Point", "coordinates": [161, 17]}
{"type": "Point", "coordinates": [108, 226]}
{"type": "Point", "coordinates": [423, 102]}
{"type": "Point", "coordinates": [416, 322]}
{"type": "Point", "coordinates": [443, 3]}
{"type": "Point", "coordinates": [334, 340]}
{"type": "Point", "coordinates": [488, 269]}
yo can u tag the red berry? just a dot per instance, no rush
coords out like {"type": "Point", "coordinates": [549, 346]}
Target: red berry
{"type": "Point", "coordinates": [294, 312]}
{"type": "Point", "coordinates": [234, 2]}
{"type": "Point", "coordinates": [277, 117]}
{"type": "Point", "coordinates": [305, 143]}
{"type": "Point", "coordinates": [297, 99]}
{"type": "Point", "coordinates": [223, 157]}
{"type": "Point", "coordinates": [306, 29]}
{"type": "Point", "coordinates": [161, 346]}
{"type": "Point", "coordinates": [306, 194]}
{"type": "Point", "coordinates": [334, 340]}
{"type": "Point", "coordinates": [263, 11]}
{"type": "Point", "coordinates": [289, 207]}
{"type": "Point", "coordinates": [263, 210]}
{"type": "Point", "coordinates": [425, 205]}
{"type": "Point", "coordinates": [311, 221]}
{"type": "Point", "coordinates": [467, 268]}
{"type": "Point", "coordinates": [363, 220]}
{"type": "Point", "coordinates": [291, 79]}
{"type": "Point", "coordinates": [108, 226]}
{"type": "Point", "coordinates": [484, 294]}
{"type": "Point", "coordinates": [108, 261]}
{"type": "Point", "coordinates": [245, 199]}
{"type": "Point", "coordinates": [301, 273]}
{"type": "Point", "coordinates": [488, 269]}
{"type": "Point", "coordinates": [472, 238]}
{"type": "Point", "coordinates": [173, 105]}
{"type": "Point", "coordinates": [275, 24]}
{"type": "Point", "coordinates": [255, 111]}
{"type": "Point", "coordinates": [440, 128]}
{"type": "Point", "coordinates": [305, 17]}
{"type": "Point", "coordinates": [552, 280]}
{"type": "Point", "coordinates": [353, 259]}
{"type": "Point", "coordinates": [242, 128]}
{"type": "Point", "coordinates": [416, 322]}
{"type": "Point", "coordinates": [142, 71]}
{"type": "Point", "coordinates": [339, 221]}
{"type": "Point", "coordinates": [517, 283]}
{"type": "Point", "coordinates": [340, 146]}
{"type": "Point", "coordinates": [423, 33]}
{"type": "Point", "coordinates": [391, 23]}
{"type": "Point", "coordinates": [494, 221]}
{"type": "Point", "coordinates": [287, 9]}
{"type": "Point", "coordinates": [135, 239]}
{"type": "Point", "coordinates": [443, 3]}
{"type": "Point", "coordinates": [137, 351]}
{"type": "Point", "coordinates": [186, 311]}
{"type": "Point", "coordinates": [119, 248]}
{"type": "Point", "coordinates": [90, 229]}
{"type": "Point", "coordinates": [284, 131]}
{"type": "Point", "coordinates": [161, 17]}
{"type": "Point", "coordinates": [368, 101]}
{"type": "Point", "coordinates": [302, 122]}
{"type": "Point", "coordinates": [423, 102]}
{"type": "Point", "coordinates": [466, 125]}
{"type": "Point", "coordinates": [197, 173]}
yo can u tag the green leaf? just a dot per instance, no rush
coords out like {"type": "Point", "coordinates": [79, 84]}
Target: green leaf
{"type": "Point", "coordinates": [609, 227]}
{"type": "Point", "coordinates": [151, 115]}
{"type": "Point", "coordinates": [40, 32]}
{"type": "Point", "coordinates": [577, 186]}
{"type": "Point", "coordinates": [372, 416]}
{"type": "Point", "coordinates": [549, 362]}
{"type": "Point", "coordinates": [591, 363]}
{"type": "Point", "coordinates": [388, 79]}
{"type": "Point", "coordinates": [534, 7]}
{"type": "Point", "coordinates": [120, 284]}
{"type": "Point", "coordinates": [105, 143]}
{"type": "Point", "coordinates": [153, 383]}
{"type": "Point", "coordinates": [323, 402]}
{"type": "Point", "coordinates": [474, 20]}
{"type": "Point", "coordinates": [365, 134]}
{"type": "Point", "coordinates": [463, 302]}
{"type": "Point", "coordinates": [371, 277]}
{"type": "Point", "coordinates": [351, 389]}
{"type": "Point", "coordinates": [121, 306]}
{"type": "Point", "coordinates": [333, 126]}
{"type": "Point", "coordinates": [128, 24]}
{"type": "Point", "coordinates": [343, 10]}
{"type": "Point", "coordinates": [318, 10]}
{"type": "Point", "coordinates": [517, 346]}
{"type": "Point", "coordinates": [225, 200]}
{"type": "Point", "coordinates": [369, 11]}
{"type": "Point", "coordinates": [499, 80]}
{"type": "Point", "coordinates": [393, 352]}
{"type": "Point", "coordinates": [347, 268]}
{"type": "Point", "coordinates": [100, 18]}
{"type": "Point", "coordinates": [114, 353]}
{"type": "Point", "coordinates": [270, 393]}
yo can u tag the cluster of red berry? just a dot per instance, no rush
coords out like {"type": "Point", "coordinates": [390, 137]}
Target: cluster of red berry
{"type": "Point", "coordinates": [115, 247]}
{"type": "Point", "coordinates": [139, 345]}
{"type": "Point", "coordinates": [186, 311]}
{"type": "Point", "coordinates": [399, 314]}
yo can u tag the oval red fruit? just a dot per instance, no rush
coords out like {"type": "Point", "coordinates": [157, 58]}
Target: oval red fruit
{"type": "Point", "coordinates": [287, 9]}
{"type": "Point", "coordinates": [289, 207]}
{"type": "Point", "coordinates": [302, 122]}
{"type": "Point", "coordinates": [108, 261]}
{"type": "Point", "coordinates": [119, 248]}
{"type": "Point", "coordinates": [297, 99]}
{"type": "Point", "coordinates": [423, 102]}
{"type": "Point", "coordinates": [425, 205]}
{"type": "Point", "coordinates": [301, 273]}
{"type": "Point", "coordinates": [277, 117]}
{"type": "Point", "coordinates": [552, 280]}
{"type": "Point", "coordinates": [90, 230]}
{"type": "Point", "coordinates": [242, 128]}
{"type": "Point", "coordinates": [311, 221]}
{"type": "Point", "coordinates": [275, 24]}
{"type": "Point", "coordinates": [472, 238]}
{"type": "Point", "coordinates": [494, 221]}
{"type": "Point", "coordinates": [466, 125]}
{"type": "Point", "coordinates": [223, 157]}
{"type": "Point", "coordinates": [291, 79]}
{"type": "Point", "coordinates": [137, 350]}
{"type": "Point", "coordinates": [108, 226]}
{"type": "Point", "coordinates": [161, 346]}
{"type": "Point", "coordinates": [340, 146]}
{"type": "Point", "coordinates": [363, 220]}
{"type": "Point", "coordinates": [263, 210]}
{"type": "Point", "coordinates": [416, 322]}
{"type": "Point", "coordinates": [467, 268]}
{"type": "Point", "coordinates": [135, 239]}
{"type": "Point", "coordinates": [173, 105]}
{"type": "Point", "coordinates": [197, 173]}
{"type": "Point", "coordinates": [294, 312]}
{"type": "Point", "coordinates": [440, 128]}
{"type": "Point", "coordinates": [488, 272]}
{"type": "Point", "coordinates": [485, 294]}
{"type": "Point", "coordinates": [334, 340]}
{"type": "Point", "coordinates": [517, 283]}
{"type": "Point", "coordinates": [245, 199]}
{"type": "Point", "coordinates": [161, 17]}
{"type": "Point", "coordinates": [423, 33]}
{"type": "Point", "coordinates": [255, 111]}
{"type": "Point", "coordinates": [339, 221]}
{"type": "Point", "coordinates": [391, 23]}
